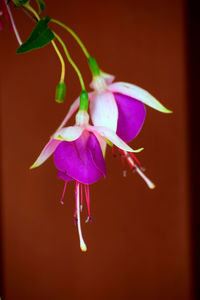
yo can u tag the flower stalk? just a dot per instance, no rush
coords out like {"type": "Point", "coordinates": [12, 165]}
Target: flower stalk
{"type": "Point", "coordinates": [74, 36]}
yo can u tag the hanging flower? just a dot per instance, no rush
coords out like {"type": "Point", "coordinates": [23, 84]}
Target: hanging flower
{"type": "Point", "coordinates": [125, 100]}
{"type": "Point", "coordinates": [78, 157]}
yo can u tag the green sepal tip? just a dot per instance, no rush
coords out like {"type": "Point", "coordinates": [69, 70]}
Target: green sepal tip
{"type": "Point", "coordinates": [60, 92]}
{"type": "Point", "coordinates": [94, 66]}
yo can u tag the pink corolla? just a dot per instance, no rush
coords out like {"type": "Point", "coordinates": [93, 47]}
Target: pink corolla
{"type": "Point", "coordinates": [78, 157]}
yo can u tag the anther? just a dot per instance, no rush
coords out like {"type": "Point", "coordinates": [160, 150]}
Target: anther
{"type": "Point", "coordinates": [124, 173]}
{"type": "Point", "coordinates": [89, 219]}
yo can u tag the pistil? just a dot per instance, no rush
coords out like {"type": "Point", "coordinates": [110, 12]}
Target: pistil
{"type": "Point", "coordinates": [82, 243]}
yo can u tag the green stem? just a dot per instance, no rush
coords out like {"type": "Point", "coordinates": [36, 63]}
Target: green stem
{"type": "Point", "coordinates": [74, 36]}
{"type": "Point", "coordinates": [71, 61]}
{"type": "Point", "coordinates": [62, 76]}
{"type": "Point", "coordinates": [29, 7]}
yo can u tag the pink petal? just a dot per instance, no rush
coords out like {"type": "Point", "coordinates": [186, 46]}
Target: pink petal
{"type": "Point", "coordinates": [104, 111]}
{"type": "Point", "coordinates": [46, 152]}
{"type": "Point", "coordinates": [138, 93]}
{"type": "Point", "coordinates": [111, 136]}
{"type": "Point", "coordinates": [69, 134]}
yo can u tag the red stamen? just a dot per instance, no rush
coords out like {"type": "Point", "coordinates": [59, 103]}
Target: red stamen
{"type": "Point", "coordinates": [81, 206]}
{"type": "Point", "coordinates": [113, 152]}
{"type": "Point", "coordinates": [76, 191]}
{"type": "Point", "coordinates": [135, 158]}
{"type": "Point", "coordinates": [87, 196]}
{"type": "Point", "coordinates": [61, 200]}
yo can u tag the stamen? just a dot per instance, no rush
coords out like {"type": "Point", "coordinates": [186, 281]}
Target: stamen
{"type": "Point", "coordinates": [124, 173]}
{"type": "Point", "coordinates": [61, 200]}
{"type": "Point", "coordinates": [82, 243]}
{"type": "Point", "coordinates": [87, 196]}
{"type": "Point", "coordinates": [81, 206]}
{"type": "Point", "coordinates": [130, 160]}
{"type": "Point", "coordinates": [113, 152]}
{"type": "Point", "coordinates": [135, 158]}
{"type": "Point", "coordinates": [89, 219]}
{"type": "Point", "coordinates": [150, 184]}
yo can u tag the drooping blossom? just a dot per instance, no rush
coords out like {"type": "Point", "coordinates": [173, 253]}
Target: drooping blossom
{"type": "Point", "coordinates": [121, 107]}
{"type": "Point", "coordinates": [126, 102]}
{"type": "Point", "coordinates": [78, 157]}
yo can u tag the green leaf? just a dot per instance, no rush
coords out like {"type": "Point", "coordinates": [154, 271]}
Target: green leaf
{"type": "Point", "coordinates": [19, 2]}
{"type": "Point", "coordinates": [41, 5]}
{"type": "Point", "coordinates": [40, 37]}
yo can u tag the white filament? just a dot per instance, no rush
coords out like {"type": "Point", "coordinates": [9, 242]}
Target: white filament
{"type": "Point", "coordinates": [82, 243]}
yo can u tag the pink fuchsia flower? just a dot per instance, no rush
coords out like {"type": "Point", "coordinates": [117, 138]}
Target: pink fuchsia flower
{"type": "Point", "coordinates": [78, 157]}
{"type": "Point", "coordinates": [126, 102]}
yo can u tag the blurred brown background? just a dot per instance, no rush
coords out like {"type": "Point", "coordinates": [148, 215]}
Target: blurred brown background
{"type": "Point", "coordinates": [139, 246]}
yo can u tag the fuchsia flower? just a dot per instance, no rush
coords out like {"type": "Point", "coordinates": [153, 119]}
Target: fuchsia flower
{"type": "Point", "coordinates": [125, 101]}
{"type": "Point", "coordinates": [120, 107]}
{"type": "Point", "coordinates": [78, 156]}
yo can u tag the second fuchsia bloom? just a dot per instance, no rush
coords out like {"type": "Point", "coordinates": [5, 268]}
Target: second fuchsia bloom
{"type": "Point", "coordinates": [78, 157]}
{"type": "Point", "coordinates": [126, 102]}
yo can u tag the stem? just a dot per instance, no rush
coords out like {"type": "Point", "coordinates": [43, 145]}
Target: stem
{"type": "Point", "coordinates": [13, 24]}
{"type": "Point", "coordinates": [71, 61]}
{"type": "Point", "coordinates": [74, 36]}
{"type": "Point", "coordinates": [29, 7]}
{"type": "Point", "coordinates": [62, 76]}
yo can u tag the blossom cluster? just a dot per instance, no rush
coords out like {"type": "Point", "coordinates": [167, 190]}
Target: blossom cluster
{"type": "Point", "coordinates": [112, 114]}
{"type": "Point", "coordinates": [117, 112]}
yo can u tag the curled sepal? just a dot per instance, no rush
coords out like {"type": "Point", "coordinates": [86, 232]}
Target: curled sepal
{"type": "Point", "coordinates": [110, 135]}
{"type": "Point", "coordinates": [60, 92]}
{"type": "Point", "coordinates": [40, 37]}
{"type": "Point", "coordinates": [138, 93]}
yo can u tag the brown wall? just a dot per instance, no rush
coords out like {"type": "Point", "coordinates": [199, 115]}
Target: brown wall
{"type": "Point", "coordinates": [139, 245]}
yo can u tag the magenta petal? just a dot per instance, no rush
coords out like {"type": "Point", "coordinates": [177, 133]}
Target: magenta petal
{"type": "Point", "coordinates": [131, 116]}
{"type": "Point", "coordinates": [64, 176]}
{"type": "Point", "coordinates": [82, 159]}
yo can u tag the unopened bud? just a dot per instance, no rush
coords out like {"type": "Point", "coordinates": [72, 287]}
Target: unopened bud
{"type": "Point", "coordinates": [60, 92]}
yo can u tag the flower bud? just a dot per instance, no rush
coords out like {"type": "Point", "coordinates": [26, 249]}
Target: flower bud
{"type": "Point", "coordinates": [60, 92]}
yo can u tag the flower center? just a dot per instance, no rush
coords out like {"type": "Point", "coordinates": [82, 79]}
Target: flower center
{"type": "Point", "coordinates": [99, 84]}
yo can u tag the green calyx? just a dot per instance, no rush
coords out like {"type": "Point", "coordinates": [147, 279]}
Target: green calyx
{"type": "Point", "coordinates": [84, 100]}
{"type": "Point", "coordinates": [60, 92]}
{"type": "Point", "coordinates": [93, 66]}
